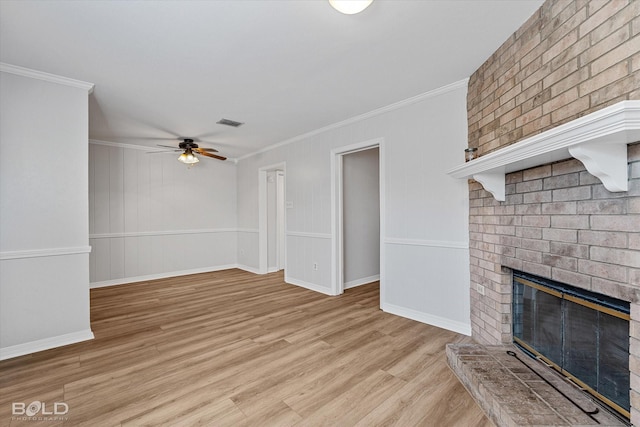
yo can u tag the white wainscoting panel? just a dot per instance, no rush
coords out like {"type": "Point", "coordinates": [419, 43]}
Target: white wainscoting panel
{"type": "Point", "coordinates": [152, 216]}
{"type": "Point", "coordinates": [303, 251]}
{"type": "Point", "coordinates": [248, 247]}
{"type": "Point", "coordinates": [431, 280]}
{"type": "Point", "coordinates": [118, 259]}
{"type": "Point", "coordinates": [43, 298]}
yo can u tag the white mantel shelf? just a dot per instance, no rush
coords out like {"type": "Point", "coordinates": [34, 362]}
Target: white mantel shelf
{"type": "Point", "coordinates": [599, 140]}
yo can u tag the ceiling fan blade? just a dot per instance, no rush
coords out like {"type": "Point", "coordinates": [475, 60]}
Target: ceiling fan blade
{"type": "Point", "coordinates": [204, 153]}
{"type": "Point", "coordinates": [212, 150]}
{"type": "Point", "coordinates": [169, 146]}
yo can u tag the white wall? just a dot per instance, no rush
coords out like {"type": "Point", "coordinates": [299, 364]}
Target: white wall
{"type": "Point", "coordinates": [152, 216]}
{"type": "Point", "coordinates": [425, 239]}
{"type": "Point", "coordinates": [361, 217]}
{"type": "Point", "coordinates": [44, 245]}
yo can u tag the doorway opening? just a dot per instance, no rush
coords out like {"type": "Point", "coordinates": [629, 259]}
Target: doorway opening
{"type": "Point", "coordinates": [275, 221]}
{"type": "Point", "coordinates": [358, 216]}
{"type": "Point", "coordinates": [272, 218]}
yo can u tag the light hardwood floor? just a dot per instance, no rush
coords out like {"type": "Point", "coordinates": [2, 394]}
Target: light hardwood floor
{"type": "Point", "coordinates": [234, 349]}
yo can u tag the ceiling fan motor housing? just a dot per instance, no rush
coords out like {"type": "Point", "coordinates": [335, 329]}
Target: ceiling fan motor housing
{"type": "Point", "coordinates": [187, 143]}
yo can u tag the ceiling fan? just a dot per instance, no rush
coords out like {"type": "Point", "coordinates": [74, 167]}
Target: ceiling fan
{"type": "Point", "coordinates": [190, 147]}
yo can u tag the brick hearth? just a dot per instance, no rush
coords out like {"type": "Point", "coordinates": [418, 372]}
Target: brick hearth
{"type": "Point", "coordinates": [516, 395]}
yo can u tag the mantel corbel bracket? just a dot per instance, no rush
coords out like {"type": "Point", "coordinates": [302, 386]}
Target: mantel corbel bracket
{"type": "Point", "coordinates": [493, 183]}
{"type": "Point", "coordinates": [607, 162]}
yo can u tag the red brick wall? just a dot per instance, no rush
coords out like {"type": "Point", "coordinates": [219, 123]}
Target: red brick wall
{"type": "Point", "coordinates": [569, 59]}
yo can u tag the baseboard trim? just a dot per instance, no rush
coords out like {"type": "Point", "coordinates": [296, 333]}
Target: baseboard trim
{"type": "Point", "coordinates": [134, 279]}
{"type": "Point", "coordinates": [45, 344]}
{"type": "Point", "coordinates": [307, 285]}
{"type": "Point", "coordinates": [360, 282]}
{"type": "Point", "coordinates": [248, 269]}
{"type": "Point", "coordinates": [429, 319]}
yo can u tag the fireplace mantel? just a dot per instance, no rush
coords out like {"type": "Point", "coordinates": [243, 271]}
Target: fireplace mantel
{"type": "Point", "coordinates": [599, 140]}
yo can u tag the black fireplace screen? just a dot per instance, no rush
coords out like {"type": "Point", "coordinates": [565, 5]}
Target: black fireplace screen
{"type": "Point", "coordinates": [582, 334]}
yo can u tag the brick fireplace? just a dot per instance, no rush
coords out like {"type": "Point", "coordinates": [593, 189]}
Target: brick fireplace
{"type": "Point", "coordinates": [558, 221]}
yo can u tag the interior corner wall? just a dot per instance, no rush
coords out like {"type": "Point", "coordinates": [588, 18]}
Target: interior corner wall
{"type": "Point", "coordinates": [151, 216]}
{"type": "Point", "coordinates": [425, 239]}
{"type": "Point", "coordinates": [44, 252]}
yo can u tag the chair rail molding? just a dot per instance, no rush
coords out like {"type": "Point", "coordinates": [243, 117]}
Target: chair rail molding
{"type": "Point", "coordinates": [46, 252]}
{"type": "Point", "coordinates": [599, 140]}
{"type": "Point", "coordinates": [161, 233]}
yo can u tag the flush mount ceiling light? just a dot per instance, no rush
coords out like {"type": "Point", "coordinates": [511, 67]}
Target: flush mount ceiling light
{"type": "Point", "coordinates": [350, 7]}
{"type": "Point", "coordinates": [187, 157]}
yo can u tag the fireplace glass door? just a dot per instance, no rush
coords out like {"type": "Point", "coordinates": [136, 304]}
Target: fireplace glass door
{"type": "Point", "coordinates": [583, 335]}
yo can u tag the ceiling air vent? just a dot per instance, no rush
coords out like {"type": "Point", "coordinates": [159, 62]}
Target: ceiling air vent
{"type": "Point", "coordinates": [228, 122]}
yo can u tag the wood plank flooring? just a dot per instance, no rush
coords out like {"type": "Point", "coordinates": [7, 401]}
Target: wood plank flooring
{"type": "Point", "coordinates": [234, 349]}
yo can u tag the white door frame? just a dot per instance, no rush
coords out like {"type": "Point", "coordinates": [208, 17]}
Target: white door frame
{"type": "Point", "coordinates": [263, 244]}
{"type": "Point", "coordinates": [337, 226]}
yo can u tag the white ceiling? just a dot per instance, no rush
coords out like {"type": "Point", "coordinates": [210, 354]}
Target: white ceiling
{"type": "Point", "coordinates": [165, 69]}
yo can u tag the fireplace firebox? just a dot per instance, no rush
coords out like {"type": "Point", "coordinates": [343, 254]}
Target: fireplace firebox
{"type": "Point", "coordinates": [581, 334]}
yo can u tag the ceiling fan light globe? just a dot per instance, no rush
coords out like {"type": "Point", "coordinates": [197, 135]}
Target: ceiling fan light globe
{"type": "Point", "coordinates": [188, 158]}
{"type": "Point", "coordinates": [350, 7]}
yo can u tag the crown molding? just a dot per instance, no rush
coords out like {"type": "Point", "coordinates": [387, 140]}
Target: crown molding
{"type": "Point", "coordinates": [409, 101]}
{"type": "Point", "coordinates": [129, 146]}
{"type": "Point", "coordinates": [41, 75]}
